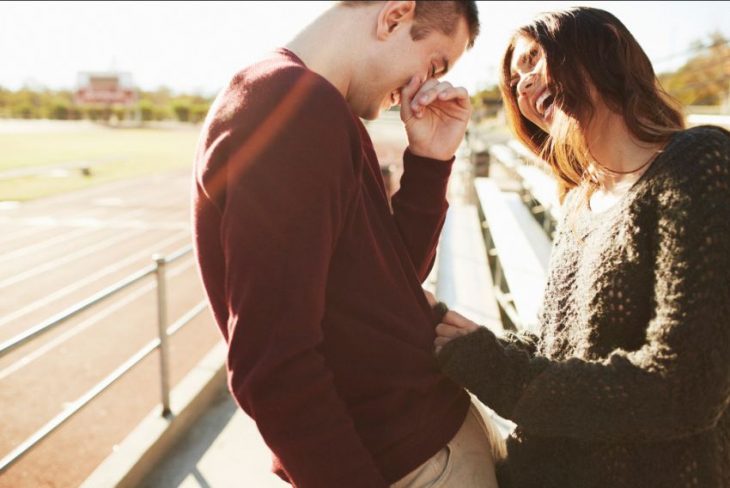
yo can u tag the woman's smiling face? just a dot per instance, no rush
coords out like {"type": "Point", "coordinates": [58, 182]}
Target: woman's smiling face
{"type": "Point", "coordinates": [529, 83]}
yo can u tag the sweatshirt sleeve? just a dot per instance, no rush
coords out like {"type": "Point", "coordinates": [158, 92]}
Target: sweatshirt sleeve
{"type": "Point", "coordinates": [419, 208]}
{"type": "Point", "coordinates": [678, 383]}
{"type": "Point", "coordinates": [290, 183]}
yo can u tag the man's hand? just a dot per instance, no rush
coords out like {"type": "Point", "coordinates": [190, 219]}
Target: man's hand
{"type": "Point", "coordinates": [435, 115]}
{"type": "Point", "coordinates": [452, 326]}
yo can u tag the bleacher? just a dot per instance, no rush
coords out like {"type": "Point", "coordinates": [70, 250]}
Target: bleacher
{"type": "Point", "coordinates": [518, 251]}
{"type": "Point", "coordinates": [519, 212]}
{"type": "Point", "coordinates": [494, 250]}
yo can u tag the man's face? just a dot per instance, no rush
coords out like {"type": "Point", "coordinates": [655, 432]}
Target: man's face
{"type": "Point", "coordinates": [400, 58]}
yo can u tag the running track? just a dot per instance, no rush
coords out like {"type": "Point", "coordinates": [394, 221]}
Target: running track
{"type": "Point", "coordinates": [57, 251]}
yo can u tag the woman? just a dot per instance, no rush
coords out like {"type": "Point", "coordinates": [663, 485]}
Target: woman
{"type": "Point", "coordinates": [628, 383]}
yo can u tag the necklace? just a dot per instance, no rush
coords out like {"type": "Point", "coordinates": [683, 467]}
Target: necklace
{"type": "Point", "coordinates": [593, 183]}
{"type": "Point", "coordinates": [649, 160]}
{"type": "Point", "coordinates": [596, 169]}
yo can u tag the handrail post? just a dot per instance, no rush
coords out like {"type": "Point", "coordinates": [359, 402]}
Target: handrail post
{"type": "Point", "coordinates": [162, 331]}
{"type": "Point", "coordinates": [159, 266]}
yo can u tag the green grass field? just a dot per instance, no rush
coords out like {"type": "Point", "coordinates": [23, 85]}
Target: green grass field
{"type": "Point", "coordinates": [111, 154]}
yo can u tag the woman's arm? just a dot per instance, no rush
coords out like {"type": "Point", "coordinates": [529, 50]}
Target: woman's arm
{"type": "Point", "coordinates": [678, 383]}
{"type": "Point", "coordinates": [466, 351]}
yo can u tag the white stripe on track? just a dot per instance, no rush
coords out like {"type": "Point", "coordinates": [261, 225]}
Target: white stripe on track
{"type": "Point", "coordinates": [147, 252]}
{"type": "Point", "coordinates": [93, 320]}
{"type": "Point", "coordinates": [34, 248]}
{"type": "Point", "coordinates": [33, 229]}
{"type": "Point", "coordinates": [56, 263]}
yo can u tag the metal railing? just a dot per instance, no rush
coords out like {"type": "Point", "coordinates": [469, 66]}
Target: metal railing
{"type": "Point", "coordinates": [158, 269]}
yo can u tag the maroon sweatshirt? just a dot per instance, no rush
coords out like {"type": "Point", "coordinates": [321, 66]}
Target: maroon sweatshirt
{"type": "Point", "coordinates": [316, 284]}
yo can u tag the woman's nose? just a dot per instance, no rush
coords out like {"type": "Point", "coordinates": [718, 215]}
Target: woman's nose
{"type": "Point", "coordinates": [526, 83]}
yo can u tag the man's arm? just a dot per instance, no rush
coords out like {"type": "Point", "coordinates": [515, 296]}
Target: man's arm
{"type": "Point", "coordinates": [435, 115]}
{"type": "Point", "coordinates": [419, 208]}
{"type": "Point", "coordinates": [286, 201]}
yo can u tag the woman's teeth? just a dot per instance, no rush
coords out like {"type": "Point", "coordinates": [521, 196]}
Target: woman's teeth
{"type": "Point", "coordinates": [544, 102]}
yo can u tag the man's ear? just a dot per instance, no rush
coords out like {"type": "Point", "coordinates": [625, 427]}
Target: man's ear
{"type": "Point", "coordinates": [393, 15]}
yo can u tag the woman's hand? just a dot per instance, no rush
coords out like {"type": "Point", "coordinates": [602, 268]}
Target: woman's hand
{"type": "Point", "coordinates": [452, 326]}
{"type": "Point", "coordinates": [431, 298]}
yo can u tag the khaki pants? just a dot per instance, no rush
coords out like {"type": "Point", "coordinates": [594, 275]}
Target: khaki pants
{"type": "Point", "coordinates": [467, 461]}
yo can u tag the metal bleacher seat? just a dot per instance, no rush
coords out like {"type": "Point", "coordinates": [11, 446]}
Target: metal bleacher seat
{"type": "Point", "coordinates": [519, 252]}
{"type": "Point", "coordinates": [463, 281]}
{"type": "Point", "coordinates": [539, 187]}
{"type": "Point", "coordinates": [540, 192]}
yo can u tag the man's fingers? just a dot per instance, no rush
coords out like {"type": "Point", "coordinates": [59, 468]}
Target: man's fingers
{"type": "Point", "coordinates": [406, 95]}
{"type": "Point", "coordinates": [458, 94]}
{"type": "Point", "coordinates": [427, 93]}
{"type": "Point", "coordinates": [443, 92]}
{"type": "Point", "coordinates": [416, 102]}
{"type": "Point", "coordinates": [426, 86]}
{"type": "Point", "coordinates": [415, 97]}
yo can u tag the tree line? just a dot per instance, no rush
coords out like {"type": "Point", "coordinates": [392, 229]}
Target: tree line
{"type": "Point", "coordinates": [158, 105]}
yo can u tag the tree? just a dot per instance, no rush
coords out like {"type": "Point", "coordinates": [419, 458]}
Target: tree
{"type": "Point", "coordinates": [705, 78]}
{"type": "Point", "coordinates": [486, 102]}
{"type": "Point", "coordinates": [156, 105]}
{"type": "Point", "coordinates": [182, 110]}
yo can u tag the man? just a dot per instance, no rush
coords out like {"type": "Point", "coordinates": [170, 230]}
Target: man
{"type": "Point", "coordinates": [313, 281]}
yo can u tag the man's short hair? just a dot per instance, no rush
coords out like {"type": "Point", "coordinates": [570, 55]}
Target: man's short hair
{"type": "Point", "coordinates": [442, 16]}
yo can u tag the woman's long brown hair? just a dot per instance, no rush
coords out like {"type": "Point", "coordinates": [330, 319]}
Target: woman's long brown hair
{"type": "Point", "coordinates": [588, 48]}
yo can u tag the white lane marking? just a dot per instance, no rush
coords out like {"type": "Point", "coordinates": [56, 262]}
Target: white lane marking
{"type": "Point", "coordinates": [100, 223]}
{"type": "Point", "coordinates": [19, 234]}
{"type": "Point", "coordinates": [109, 202]}
{"type": "Point", "coordinates": [14, 220]}
{"type": "Point", "coordinates": [147, 252]}
{"type": "Point", "coordinates": [34, 248]}
{"type": "Point", "coordinates": [94, 319]}
{"type": "Point", "coordinates": [56, 263]}
{"type": "Point", "coordinates": [120, 187]}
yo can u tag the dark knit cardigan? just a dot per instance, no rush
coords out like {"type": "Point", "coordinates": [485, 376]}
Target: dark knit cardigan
{"type": "Point", "coordinates": [628, 383]}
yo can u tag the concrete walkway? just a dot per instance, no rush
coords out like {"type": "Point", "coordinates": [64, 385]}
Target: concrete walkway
{"type": "Point", "coordinates": [223, 449]}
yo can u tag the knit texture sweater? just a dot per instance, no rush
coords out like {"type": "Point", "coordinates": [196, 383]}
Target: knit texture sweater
{"type": "Point", "coordinates": [628, 382]}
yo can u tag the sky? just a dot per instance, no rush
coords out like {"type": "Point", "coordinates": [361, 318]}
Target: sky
{"type": "Point", "coordinates": [195, 47]}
